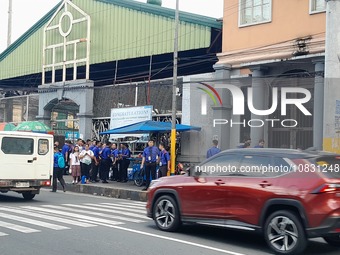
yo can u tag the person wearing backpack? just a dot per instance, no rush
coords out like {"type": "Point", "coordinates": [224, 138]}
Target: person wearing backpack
{"type": "Point", "coordinates": [58, 168]}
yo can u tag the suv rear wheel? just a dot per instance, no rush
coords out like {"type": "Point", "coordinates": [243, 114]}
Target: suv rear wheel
{"type": "Point", "coordinates": [333, 240]}
{"type": "Point", "coordinates": [284, 233]}
{"type": "Point", "coordinates": [166, 213]}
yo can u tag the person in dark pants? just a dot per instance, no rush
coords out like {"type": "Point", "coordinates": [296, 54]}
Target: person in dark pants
{"type": "Point", "coordinates": [126, 154]}
{"type": "Point", "coordinates": [119, 162]}
{"type": "Point", "coordinates": [105, 163]}
{"type": "Point", "coordinates": [114, 153]}
{"type": "Point", "coordinates": [164, 161]}
{"type": "Point", "coordinates": [95, 161]}
{"type": "Point", "coordinates": [150, 157]}
{"type": "Point", "coordinates": [86, 156]}
{"type": "Point", "coordinates": [57, 171]}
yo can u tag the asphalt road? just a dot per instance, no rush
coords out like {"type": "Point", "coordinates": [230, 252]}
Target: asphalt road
{"type": "Point", "coordinates": [70, 223]}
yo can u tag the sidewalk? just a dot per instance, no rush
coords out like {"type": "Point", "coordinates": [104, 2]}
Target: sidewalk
{"type": "Point", "coordinates": [112, 189]}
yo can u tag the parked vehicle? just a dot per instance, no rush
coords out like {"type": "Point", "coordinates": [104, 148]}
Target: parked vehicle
{"type": "Point", "coordinates": [286, 195]}
{"type": "Point", "coordinates": [26, 162]}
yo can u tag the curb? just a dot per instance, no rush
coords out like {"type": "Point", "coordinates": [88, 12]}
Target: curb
{"type": "Point", "coordinates": [135, 195]}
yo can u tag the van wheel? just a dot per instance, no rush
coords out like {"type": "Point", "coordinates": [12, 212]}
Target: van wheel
{"type": "Point", "coordinates": [333, 240]}
{"type": "Point", "coordinates": [284, 233]}
{"type": "Point", "coordinates": [28, 195]}
{"type": "Point", "coordinates": [166, 214]}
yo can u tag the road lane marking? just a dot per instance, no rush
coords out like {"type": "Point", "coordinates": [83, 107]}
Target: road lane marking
{"type": "Point", "coordinates": [137, 205]}
{"type": "Point", "coordinates": [48, 217]}
{"type": "Point", "coordinates": [3, 234]}
{"type": "Point", "coordinates": [106, 210]}
{"type": "Point", "coordinates": [18, 228]}
{"type": "Point", "coordinates": [99, 214]}
{"type": "Point", "coordinates": [119, 207]}
{"type": "Point", "coordinates": [125, 206]}
{"type": "Point", "coordinates": [33, 222]}
{"type": "Point", "coordinates": [73, 215]}
{"type": "Point", "coordinates": [178, 241]}
{"type": "Point", "coordinates": [133, 203]}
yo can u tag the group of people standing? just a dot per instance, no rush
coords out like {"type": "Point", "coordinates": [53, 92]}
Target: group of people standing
{"type": "Point", "coordinates": [246, 144]}
{"type": "Point", "coordinates": [85, 160]}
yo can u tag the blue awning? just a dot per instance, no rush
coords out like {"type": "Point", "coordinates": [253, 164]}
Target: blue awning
{"type": "Point", "coordinates": [149, 126]}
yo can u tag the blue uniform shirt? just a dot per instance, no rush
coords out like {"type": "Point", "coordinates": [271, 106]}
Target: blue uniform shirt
{"type": "Point", "coordinates": [106, 153]}
{"type": "Point", "coordinates": [165, 157]}
{"type": "Point", "coordinates": [212, 151]}
{"type": "Point", "coordinates": [65, 149]}
{"type": "Point", "coordinates": [126, 153]}
{"type": "Point", "coordinates": [114, 153]}
{"type": "Point", "coordinates": [96, 151]}
{"type": "Point", "coordinates": [150, 154]}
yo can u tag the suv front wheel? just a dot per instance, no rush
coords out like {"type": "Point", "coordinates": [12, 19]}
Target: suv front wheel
{"type": "Point", "coordinates": [284, 233]}
{"type": "Point", "coordinates": [166, 213]}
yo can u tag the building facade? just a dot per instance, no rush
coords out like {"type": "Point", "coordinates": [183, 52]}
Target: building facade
{"type": "Point", "coordinates": [85, 57]}
{"type": "Point", "coordinates": [270, 45]}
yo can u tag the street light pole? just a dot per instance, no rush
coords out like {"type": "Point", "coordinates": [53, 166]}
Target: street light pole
{"type": "Point", "coordinates": [9, 31]}
{"type": "Point", "coordinates": [174, 92]}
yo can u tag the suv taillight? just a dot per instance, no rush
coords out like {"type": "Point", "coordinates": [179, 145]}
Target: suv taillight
{"type": "Point", "coordinates": [326, 188]}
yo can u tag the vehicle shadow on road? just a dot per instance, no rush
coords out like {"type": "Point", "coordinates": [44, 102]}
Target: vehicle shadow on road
{"type": "Point", "coordinates": [245, 239]}
{"type": "Point", "coordinates": [14, 199]}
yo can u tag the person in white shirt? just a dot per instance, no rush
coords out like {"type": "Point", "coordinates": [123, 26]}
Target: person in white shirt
{"type": "Point", "coordinates": [75, 164]}
{"type": "Point", "coordinates": [86, 157]}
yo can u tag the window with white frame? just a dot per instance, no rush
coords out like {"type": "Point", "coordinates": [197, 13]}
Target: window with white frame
{"type": "Point", "coordinates": [317, 5]}
{"type": "Point", "coordinates": [255, 11]}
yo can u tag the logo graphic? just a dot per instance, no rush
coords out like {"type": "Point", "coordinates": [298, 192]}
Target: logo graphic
{"type": "Point", "coordinates": [212, 93]}
{"type": "Point", "coordinates": [287, 96]}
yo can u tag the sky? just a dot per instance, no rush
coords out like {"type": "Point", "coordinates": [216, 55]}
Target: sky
{"type": "Point", "coordinates": [27, 12]}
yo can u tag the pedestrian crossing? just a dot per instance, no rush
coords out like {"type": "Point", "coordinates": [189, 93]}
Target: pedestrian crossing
{"type": "Point", "coordinates": [30, 219]}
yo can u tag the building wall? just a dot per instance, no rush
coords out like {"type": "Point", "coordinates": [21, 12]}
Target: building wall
{"type": "Point", "coordinates": [290, 20]}
{"type": "Point", "coordinates": [274, 40]}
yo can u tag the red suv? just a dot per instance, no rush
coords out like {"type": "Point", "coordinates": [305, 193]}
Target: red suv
{"type": "Point", "coordinates": [287, 195]}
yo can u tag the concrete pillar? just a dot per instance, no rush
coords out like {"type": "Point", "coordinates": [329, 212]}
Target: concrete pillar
{"type": "Point", "coordinates": [259, 102]}
{"type": "Point", "coordinates": [9, 110]}
{"type": "Point", "coordinates": [44, 115]}
{"type": "Point", "coordinates": [222, 133]}
{"type": "Point", "coordinates": [80, 91]}
{"type": "Point", "coordinates": [318, 103]}
{"type": "Point", "coordinates": [331, 127]}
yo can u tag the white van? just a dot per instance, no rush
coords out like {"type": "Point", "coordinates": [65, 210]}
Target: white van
{"type": "Point", "coordinates": [26, 162]}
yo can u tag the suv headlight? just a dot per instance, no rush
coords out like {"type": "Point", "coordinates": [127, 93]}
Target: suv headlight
{"type": "Point", "coordinates": [154, 182]}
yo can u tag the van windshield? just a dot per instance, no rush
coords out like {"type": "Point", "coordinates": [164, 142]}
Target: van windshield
{"type": "Point", "coordinates": [330, 166]}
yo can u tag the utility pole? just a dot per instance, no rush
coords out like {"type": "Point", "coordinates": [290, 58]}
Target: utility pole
{"type": "Point", "coordinates": [174, 92]}
{"type": "Point", "coordinates": [331, 118]}
{"type": "Point", "coordinates": [9, 30]}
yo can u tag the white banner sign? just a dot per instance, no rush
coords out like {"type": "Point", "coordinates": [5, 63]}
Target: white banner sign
{"type": "Point", "coordinates": [121, 117]}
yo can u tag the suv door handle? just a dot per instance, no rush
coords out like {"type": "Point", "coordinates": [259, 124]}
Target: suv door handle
{"type": "Point", "coordinates": [265, 184]}
{"type": "Point", "coordinates": [219, 182]}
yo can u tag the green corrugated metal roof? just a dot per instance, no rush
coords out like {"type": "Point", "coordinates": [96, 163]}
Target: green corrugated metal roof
{"type": "Point", "coordinates": [166, 12]}
{"type": "Point", "coordinates": [120, 29]}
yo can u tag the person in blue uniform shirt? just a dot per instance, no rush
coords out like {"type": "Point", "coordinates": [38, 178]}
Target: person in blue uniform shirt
{"type": "Point", "coordinates": [213, 150]}
{"type": "Point", "coordinates": [114, 155]}
{"type": "Point", "coordinates": [150, 157]}
{"type": "Point", "coordinates": [105, 162]}
{"type": "Point", "coordinates": [57, 171]}
{"type": "Point", "coordinates": [95, 163]}
{"type": "Point", "coordinates": [260, 145]}
{"type": "Point", "coordinates": [126, 154]}
{"type": "Point", "coordinates": [164, 161]}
